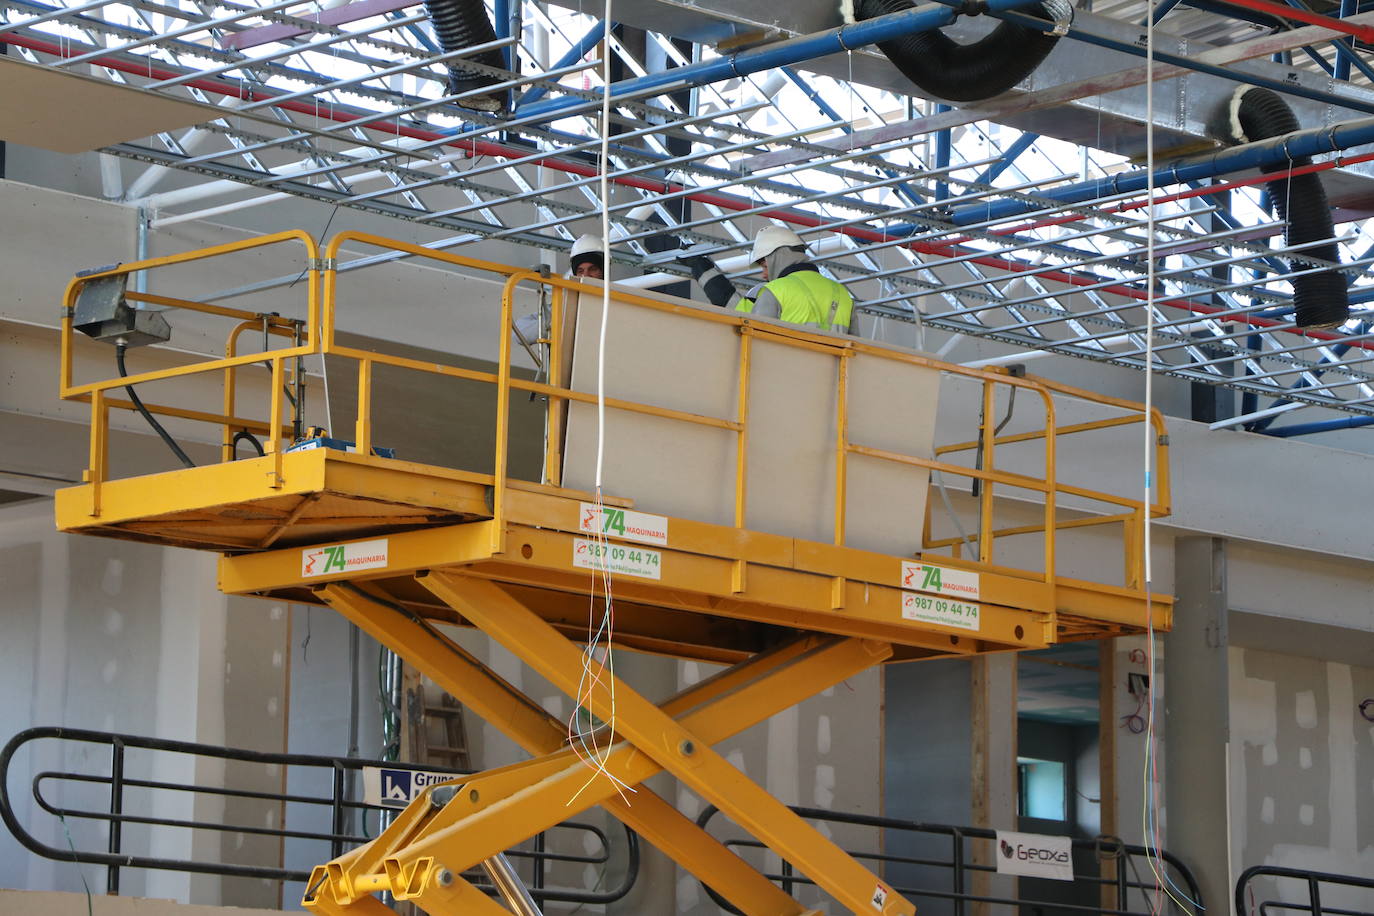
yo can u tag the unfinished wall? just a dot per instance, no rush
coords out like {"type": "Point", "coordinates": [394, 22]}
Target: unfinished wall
{"type": "Point", "coordinates": [121, 637]}
{"type": "Point", "coordinates": [1302, 769]}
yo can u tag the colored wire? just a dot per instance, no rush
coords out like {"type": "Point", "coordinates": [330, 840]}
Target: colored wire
{"type": "Point", "coordinates": [1150, 803]}
{"type": "Point", "coordinates": [593, 742]}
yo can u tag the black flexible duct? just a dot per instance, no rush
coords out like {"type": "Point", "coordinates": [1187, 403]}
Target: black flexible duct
{"type": "Point", "coordinates": [152, 421]}
{"type": "Point", "coordinates": [966, 73]}
{"type": "Point", "coordinates": [1321, 299]}
{"type": "Point", "coordinates": [461, 24]}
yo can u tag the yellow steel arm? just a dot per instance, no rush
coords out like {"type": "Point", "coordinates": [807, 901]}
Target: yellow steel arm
{"type": "Point", "coordinates": [537, 732]}
{"type": "Point", "coordinates": [675, 747]}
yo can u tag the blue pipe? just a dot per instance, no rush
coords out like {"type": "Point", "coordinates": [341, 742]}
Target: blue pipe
{"type": "Point", "coordinates": [1009, 155]}
{"type": "Point", "coordinates": [1321, 426]}
{"type": "Point", "coordinates": [1338, 350]}
{"type": "Point", "coordinates": [1275, 151]}
{"type": "Point", "coordinates": [784, 53]}
{"type": "Point", "coordinates": [575, 53]}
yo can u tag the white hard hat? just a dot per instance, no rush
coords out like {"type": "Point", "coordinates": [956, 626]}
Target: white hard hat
{"type": "Point", "coordinates": [587, 244]}
{"type": "Point", "coordinates": [588, 247]}
{"type": "Point", "coordinates": [770, 239]}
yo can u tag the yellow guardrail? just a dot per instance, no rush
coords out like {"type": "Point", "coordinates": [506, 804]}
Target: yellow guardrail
{"type": "Point", "coordinates": [316, 334]}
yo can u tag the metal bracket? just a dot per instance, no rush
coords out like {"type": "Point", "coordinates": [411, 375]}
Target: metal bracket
{"type": "Point", "coordinates": [322, 264]}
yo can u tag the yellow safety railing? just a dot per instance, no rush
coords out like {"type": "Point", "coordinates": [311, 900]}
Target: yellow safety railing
{"type": "Point", "coordinates": [274, 428]}
{"type": "Point", "coordinates": [317, 334]}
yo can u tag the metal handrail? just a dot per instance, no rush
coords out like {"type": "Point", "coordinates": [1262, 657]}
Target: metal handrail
{"type": "Point", "coordinates": [317, 335]}
{"type": "Point", "coordinates": [1105, 848]}
{"type": "Point", "coordinates": [1312, 881]}
{"type": "Point", "coordinates": [114, 858]}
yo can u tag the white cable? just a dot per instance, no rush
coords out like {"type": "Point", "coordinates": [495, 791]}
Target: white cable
{"type": "Point", "coordinates": [600, 631]}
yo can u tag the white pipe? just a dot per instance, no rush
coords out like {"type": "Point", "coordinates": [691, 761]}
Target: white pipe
{"type": "Point", "coordinates": [164, 222]}
{"type": "Point", "coordinates": [737, 262]}
{"type": "Point", "coordinates": [1257, 415]}
{"type": "Point", "coordinates": [111, 179]}
{"type": "Point", "coordinates": [189, 141]}
{"type": "Point", "coordinates": [1028, 355]}
{"type": "Point", "coordinates": [227, 186]}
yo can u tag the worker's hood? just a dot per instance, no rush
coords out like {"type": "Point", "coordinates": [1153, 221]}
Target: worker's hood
{"type": "Point", "coordinates": [782, 259]}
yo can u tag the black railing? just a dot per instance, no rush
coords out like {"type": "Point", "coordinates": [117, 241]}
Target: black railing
{"type": "Point", "coordinates": [1299, 880]}
{"type": "Point", "coordinates": [1130, 864]}
{"type": "Point", "coordinates": [343, 774]}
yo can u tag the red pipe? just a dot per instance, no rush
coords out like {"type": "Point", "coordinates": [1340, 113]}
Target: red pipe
{"type": "Point", "coordinates": [1283, 11]}
{"type": "Point", "coordinates": [729, 202]}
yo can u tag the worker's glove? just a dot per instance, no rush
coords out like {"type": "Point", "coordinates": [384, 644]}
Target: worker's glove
{"type": "Point", "coordinates": [718, 289]}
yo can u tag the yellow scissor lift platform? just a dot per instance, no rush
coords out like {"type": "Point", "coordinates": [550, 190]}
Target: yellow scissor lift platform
{"type": "Point", "coordinates": [772, 516]}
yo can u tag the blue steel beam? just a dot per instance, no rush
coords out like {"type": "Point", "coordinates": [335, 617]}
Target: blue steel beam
{"type": "Point", "coordinates": [829, 111]}
{"type": "Point", "coordinates": [575, 53]}
{"type": "Point", "coordinates": [783, 53]}
{"type": "Point", "coordinates": [1338, 351]}
{"type": "Point", "coordinates": [943, 139]}
{"type": "Point", "coordinates": [1009, 155]}
{"type": "Point", "coordinates": [1346, 45]}
{"type": "Point", "coordinates": [1162, 9]}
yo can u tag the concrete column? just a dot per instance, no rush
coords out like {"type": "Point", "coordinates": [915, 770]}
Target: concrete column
{"type": "Point", "coordinates": [1197, 720]}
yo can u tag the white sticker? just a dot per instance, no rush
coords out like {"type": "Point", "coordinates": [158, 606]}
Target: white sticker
{"type": "Point", "coordinates": [618, 558]}
{"type": "Point", "coordinates": [880, 897]}
{"type": "Point", "coordinates": [343, 558]}
{"type": "Point", "coordinates": [942, 580]}
{"type": "Point", "coordinates": [622, 523]}
{"type": "Point", "coordinates": [1035, 855]}
{"type": "Point", "coordinates": [944, 611]}
{"type": "Point", "coordinates": [394, 787]}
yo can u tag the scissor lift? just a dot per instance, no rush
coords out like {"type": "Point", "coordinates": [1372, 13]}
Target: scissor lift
{"type": "Point", "coordinates": [795, 587]}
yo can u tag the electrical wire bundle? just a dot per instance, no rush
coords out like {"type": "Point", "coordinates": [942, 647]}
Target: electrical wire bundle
{"type": "Point", "coordinates": [592, 739]}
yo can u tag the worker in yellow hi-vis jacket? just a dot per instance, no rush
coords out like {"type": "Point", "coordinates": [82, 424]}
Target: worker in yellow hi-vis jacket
{"type": "Point", "coordinates": [793, 289]}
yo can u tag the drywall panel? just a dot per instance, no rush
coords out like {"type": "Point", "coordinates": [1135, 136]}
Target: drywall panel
{"type": "Point", "coordinates": [669, 467]}
{"type": "Point", "coordinates": [70, 113]}
{"type": "Point", "coordinates": [62, 233]}
{"type": "Point", "coordinates": [669, 359]}
{"type": "Point", "coordinates": [1300, 770]}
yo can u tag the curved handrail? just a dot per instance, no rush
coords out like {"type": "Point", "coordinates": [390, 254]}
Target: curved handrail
{"type": "Point", "coordinates": [1312, 879]}
{"type": "Point", "coordinates": [1105, 847]}
{"type": "Point", "coordinates": [116, 817]}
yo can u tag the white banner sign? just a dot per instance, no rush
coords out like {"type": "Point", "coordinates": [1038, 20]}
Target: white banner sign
{"type": "Point", "coordinates": [622, 523]}
{"type": "Point", "coordinates": [943, 580]}
{"type": "Point", "coordinates": [385, 787]}
{"type": "Point", "coordinates": [343, 558]}
{"type": "Point", "coordinates": [1034, 855]}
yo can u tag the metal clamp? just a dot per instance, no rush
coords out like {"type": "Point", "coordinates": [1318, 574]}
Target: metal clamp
{"type": "Point", "coordinates": [322, 264]}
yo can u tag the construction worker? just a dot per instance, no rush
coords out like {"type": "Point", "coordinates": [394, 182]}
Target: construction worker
{"type": "Point", "coordinates": [588, 257]}
{"type": "Point", "coordinates": [793, 290]}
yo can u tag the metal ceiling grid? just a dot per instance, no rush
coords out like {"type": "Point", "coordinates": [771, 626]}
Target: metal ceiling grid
{"type": "Point", "coordinates": [355, 113]}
